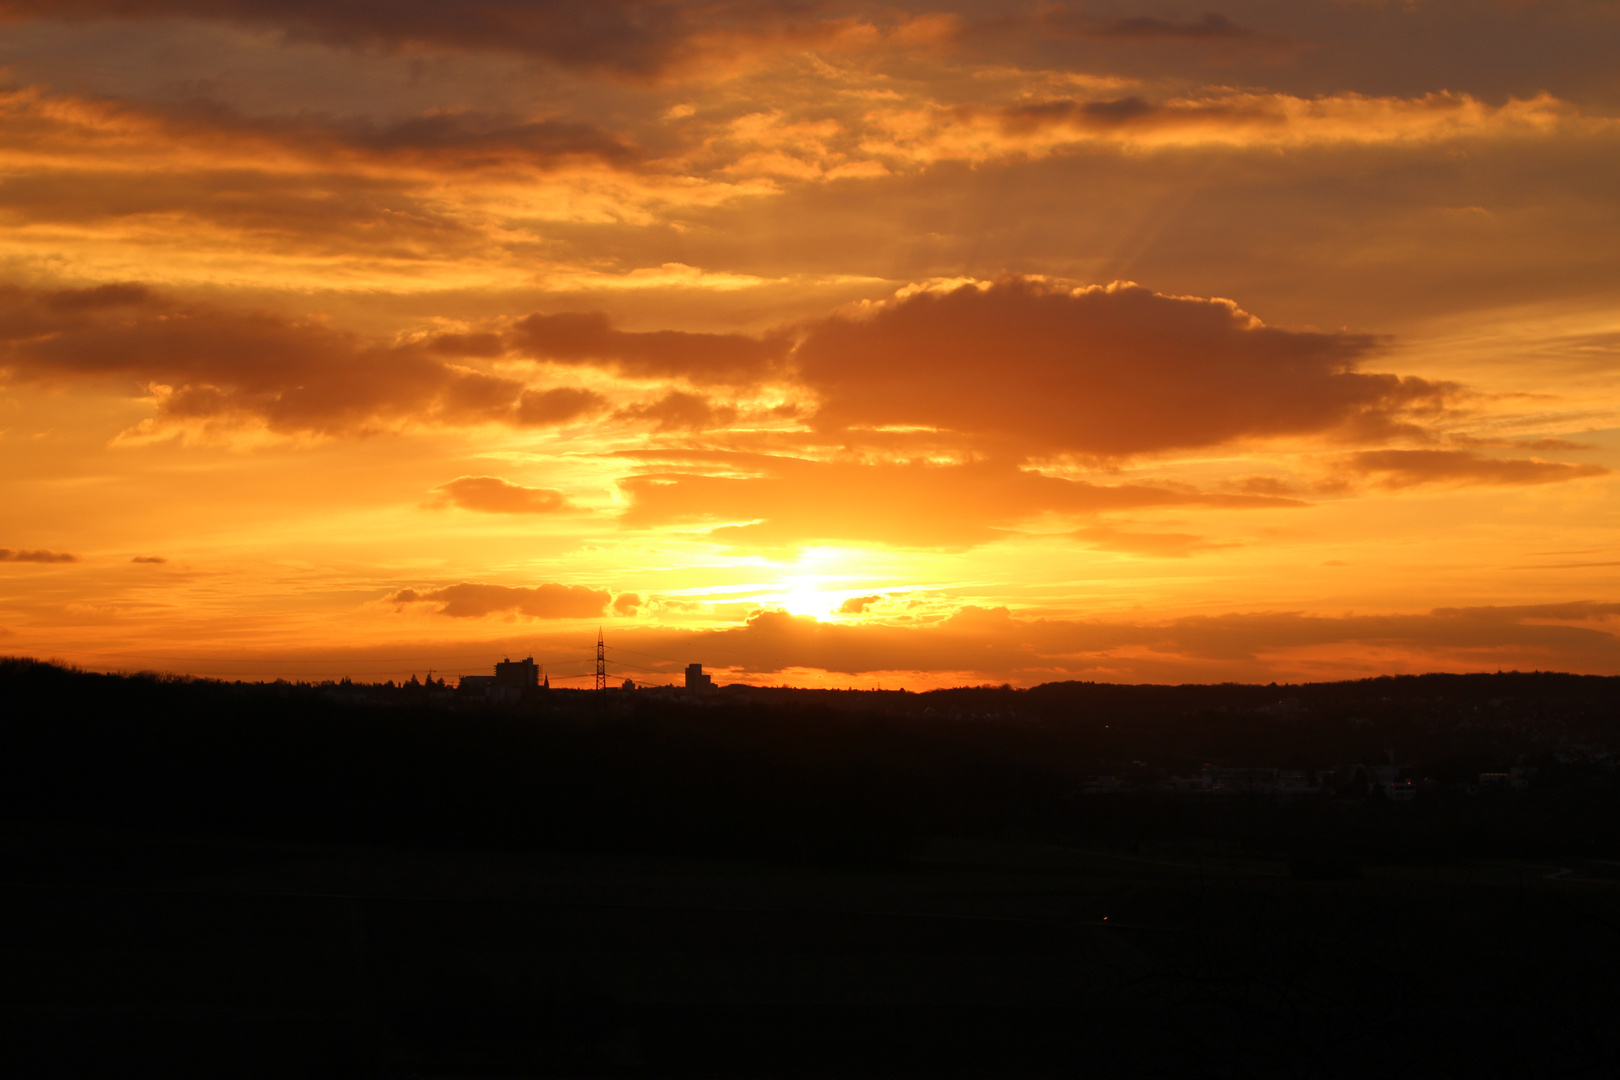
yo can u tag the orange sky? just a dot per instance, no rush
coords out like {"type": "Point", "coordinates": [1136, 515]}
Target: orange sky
{"type": "Point", "coordinates": [844, 344]}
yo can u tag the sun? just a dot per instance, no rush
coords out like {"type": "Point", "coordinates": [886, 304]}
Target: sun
{"type": "Point", "coordinates": [806, 601]}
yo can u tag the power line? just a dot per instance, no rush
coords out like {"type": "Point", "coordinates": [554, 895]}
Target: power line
{"type": "Point", "coordinates": [309, 662]}
{"type": "Point", "coordinates": [783, 661]}
{"type": "Point", "coordinates": [650, 656]}
{"type": "Point", "coordinates": [301, 660]}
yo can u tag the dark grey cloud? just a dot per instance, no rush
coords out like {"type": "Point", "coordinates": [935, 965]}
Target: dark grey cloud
{"type": "Point", "coordinates": [590, 338]}
{"type": "Point", "coordinates": [1114, 371]}
{"type": "Point", "coordinates": [36, 555]}
{"type": "Point", "coordinates": [471, 600]}
{"type": "Point", "coordinates": [638, 39]}
{"type": "Point", "coordinates": [1410, 468]}
{"type": "Point", "coordinates": [97, 297]}
{"type": "Point", "coordinates": [443, 139]}
{"type": "Point", "coordinates": [208, 363]}
{"type": "Point", "coordinates": [543, 408]}
{"type": "Point", "coordinates": [680, 411]}
{"type": "Point", "coordinates": [1209, 25]}
{"type": "Point", "coordinates": [1103, 114]}
{"type": "Point", "coordinates": [1028, 364]}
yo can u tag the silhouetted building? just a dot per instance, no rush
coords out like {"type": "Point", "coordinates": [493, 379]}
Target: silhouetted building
{"type": "Point", "coordinates": [513, 680]}
{"type": "Point", "coordinates": [696, 680]}
{"type": "Point", "coordinates": [520, 675]}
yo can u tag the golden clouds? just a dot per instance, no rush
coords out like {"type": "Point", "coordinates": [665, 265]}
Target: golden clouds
{"type": "Point", "coordinates": [470, 196]}
{"type": "Point", "coordinates": [741, 306]}
{"type": "Point", "coordinates": [781, 501]}
{"type": "Point", "coordinates": [1217, 117]}
{"type": "Point", "coordinates": [954, 387]}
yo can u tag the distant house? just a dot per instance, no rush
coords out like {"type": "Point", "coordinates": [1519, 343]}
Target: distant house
{"type": "Point", "coordinates": [1245, 779]}
{"type": "Point", "coordinates": [1504, 781]}
{"type": "Point", "coordinates": [476, 685]}
{"type": "Point", "coordinates": [1283, 783]}
{"type": "Point", "coordinates": [696, 680]}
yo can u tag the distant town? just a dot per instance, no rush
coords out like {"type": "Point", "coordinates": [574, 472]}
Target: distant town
{"type": "Point", "coordinates": [1472, 741]}
{"type": "Point", "coordinates": [514, 682]}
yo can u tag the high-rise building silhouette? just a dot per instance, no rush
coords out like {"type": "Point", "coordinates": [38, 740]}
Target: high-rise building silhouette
{"type": "Point", "coordinates": [521, 675]}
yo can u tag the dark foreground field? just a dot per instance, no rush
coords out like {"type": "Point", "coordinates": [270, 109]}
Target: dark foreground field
{"type": "Point", "coordinates": [213, 880]}
{"type": "Point", "coordinates": [148, 954]}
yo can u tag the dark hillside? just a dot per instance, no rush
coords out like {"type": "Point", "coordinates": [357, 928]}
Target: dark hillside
{"type": "Point", "coordinates": [827, 776]}
{"type": "Point", "coordinates": [210, 879]}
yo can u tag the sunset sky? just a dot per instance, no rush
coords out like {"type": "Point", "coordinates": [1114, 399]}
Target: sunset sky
{"type": "Point", "coordinates": [824, 343]}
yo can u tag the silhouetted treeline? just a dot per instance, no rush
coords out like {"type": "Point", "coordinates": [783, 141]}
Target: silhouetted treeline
{"type": "Point", "coordinates": [822, 775]}
{"type": "Point", "coordinates": [287, 761]}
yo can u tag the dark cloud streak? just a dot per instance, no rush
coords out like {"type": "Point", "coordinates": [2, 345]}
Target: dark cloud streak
{"type": "Point", "coordinates": [493, 495]}
{"type": "Point", "coordinates": [632, 39]}
{"type": "Point", "coordinates": [1394, 469]}
{"type": "Point", "coordinates": [1208, 26]}
{"type": "Point", "coordinates": [205, 363]}
{"type": "Point", "coordinates": [589, 338]}
{"type": "Point", "coordinates": [1114, 371]}
{"type": "Point", "coordinates": [37, 555]}
{"type": "Point", "coordinates": [471, 600]}
{"type": "Point", "coordinates": [680, 411]}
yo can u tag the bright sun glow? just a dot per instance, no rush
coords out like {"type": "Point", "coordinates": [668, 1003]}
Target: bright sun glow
{"type": "Point", "coordinates": [806, 600]}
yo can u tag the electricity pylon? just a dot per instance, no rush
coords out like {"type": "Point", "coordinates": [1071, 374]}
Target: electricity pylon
{"type": "Point", "coordinates": [601, 664]}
